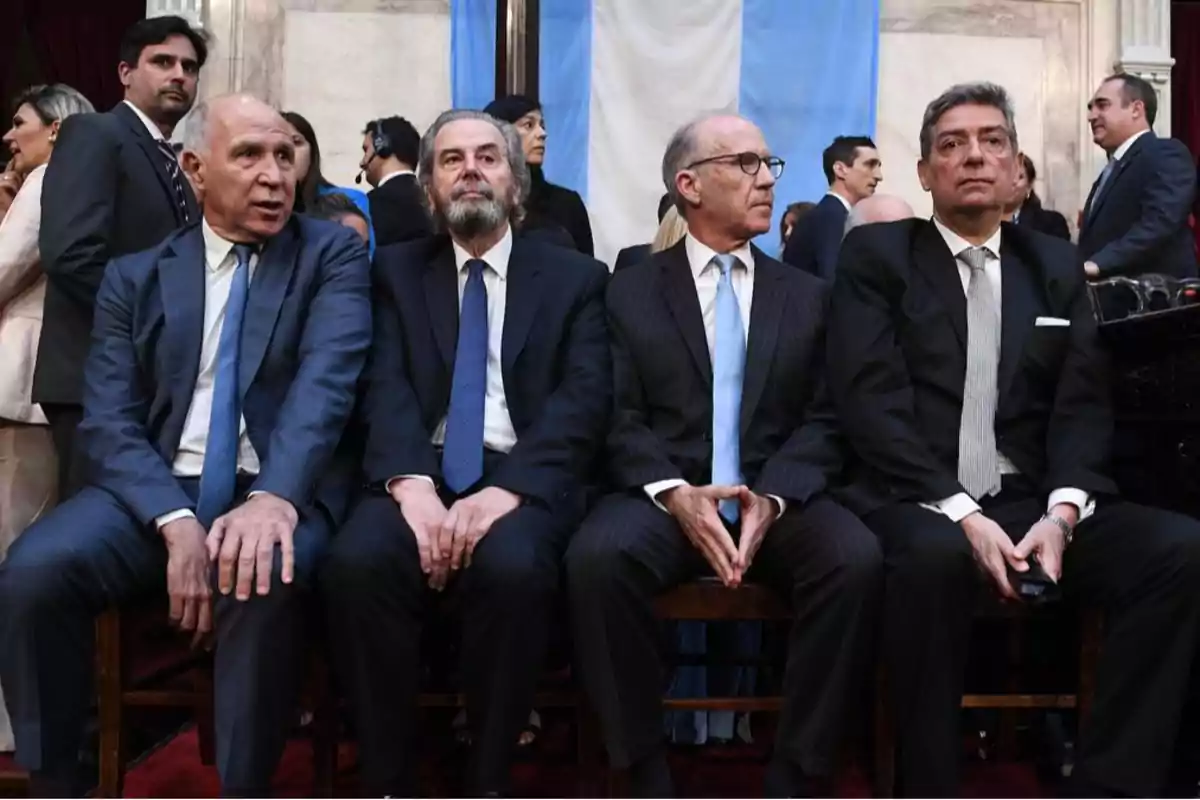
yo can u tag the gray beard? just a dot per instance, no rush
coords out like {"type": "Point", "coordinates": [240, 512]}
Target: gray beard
{"type": "Point", "coordinates": [468, 219]}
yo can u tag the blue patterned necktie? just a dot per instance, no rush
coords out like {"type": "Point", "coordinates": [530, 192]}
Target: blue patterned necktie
{"type": "Point", "coordinates": [171, 160]}
{"type": "Point", "coordinates": [462, 455]}
{"type": "Point", "coordinates": [218, 481]}
{"type": "Point", "coordinates": [729, 364]}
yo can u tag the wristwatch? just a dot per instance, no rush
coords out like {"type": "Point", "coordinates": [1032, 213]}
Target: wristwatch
{"type": "Point", "coordinates": [1067, 530]}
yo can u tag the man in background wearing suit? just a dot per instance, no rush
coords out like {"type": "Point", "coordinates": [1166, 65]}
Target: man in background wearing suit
{"type": "Point", "coordinates": [223, 369]}
{"type": "Point", "coordinates": [485, 403]}
{"type": "Point", "coordinates": [113, 187]}
{"type": "Point", "coordinates": [967, 372]}
{"type": "Point", "coordinates": [722, 443]}
{"type": "Point", "coordinates": [853, 169]}
{"type": "Point", "coordinates": [390, 151]}
{"type": "Point", "coordinates": [1136, 217]}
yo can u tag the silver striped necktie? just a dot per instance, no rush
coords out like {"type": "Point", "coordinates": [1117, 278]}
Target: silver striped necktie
{"type": "Point", "coordinates": [978, 460]}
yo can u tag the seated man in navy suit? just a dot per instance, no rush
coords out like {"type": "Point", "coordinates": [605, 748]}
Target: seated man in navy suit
{"type": "Point", "coordinates": [222, 371]}
{"type": "Point", "coordinates": [487, 394]}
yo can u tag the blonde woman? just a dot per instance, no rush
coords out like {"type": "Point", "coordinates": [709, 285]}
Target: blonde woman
{"type": "Point", "coordinates": [670, 231]}
{"type": "Point", "coordinates": [28, 467]}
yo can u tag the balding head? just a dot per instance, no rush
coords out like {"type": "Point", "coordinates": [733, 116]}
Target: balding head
{"type": "Point", "coordinates": [878, 208]}
{"type": "Point", "coordinates": [238, 153]}
{"type": "Point", "coordinates": [714, 170]}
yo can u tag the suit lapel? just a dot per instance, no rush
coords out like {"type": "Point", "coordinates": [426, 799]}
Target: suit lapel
{"type": "Point", "coordinates": [147, 144]}
{"type": "Point", "coordinates": [268, 286]}
{"type": "Point", "coordinates": [936, 263]}
{"type": "Point", "coordinates": [1019, 287]}
{"type": "Point", "coordinates": [181, 273]}
{"type": "Point", "coordinates": [766, 313]}
{"type": "Point", "coordinates": [679, 289]}
{"type": "Point", "coordinates": [521, 303]}
{"type": "Point", "coordinates": [1122, 165]}
{"type": "Point", "coordinates": [441, 300]}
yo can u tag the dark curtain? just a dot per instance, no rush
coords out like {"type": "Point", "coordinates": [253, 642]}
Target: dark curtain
{"type": "Point", "coordinates": [12, 28]}
{"type": "Point", "coordinates": [76, 43]}
{"type": "Point", "coordinates": [1185, 84]}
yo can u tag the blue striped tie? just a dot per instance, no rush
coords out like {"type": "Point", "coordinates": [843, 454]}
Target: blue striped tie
{"type": "Point", "coordinates": [729, 363]}
{"type": "Point", "coordinates": [218, 481]}
{"type": "Point", "coordinates": [462, 455]}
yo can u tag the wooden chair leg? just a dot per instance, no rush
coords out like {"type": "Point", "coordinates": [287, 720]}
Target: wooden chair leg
{"type": "Point", "coordinates": [110, 683]}
{"type": "Point", "coordinates": [1006, 740]}
{"type": "Point", "coordinates": [204, 711]}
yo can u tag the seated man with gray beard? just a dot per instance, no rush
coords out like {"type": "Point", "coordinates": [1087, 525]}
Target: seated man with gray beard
{"type": "Point", "coordinates": [486, 399]}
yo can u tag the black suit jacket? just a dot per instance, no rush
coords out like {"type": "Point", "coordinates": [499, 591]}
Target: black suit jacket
{"type": "Point", "coordinates": [1043, 220]}
{"type": "Point", "coordinates": [634, 254]}
{"type": "Point", "coordinates": [814, 243]}
{"type": "Point", "coordinates": [304, 342]}
{"type": "Point", "coordinates": [898, 359]}
{"type": "Point", "coordinates": [1139, 223]}
{"type": "Point", "coordinates": [556, 366]}
{"type": "Point", "coordinates": [106, 193]}
{"type": "Point", "coordinates": [662, 427]}
{"type": "Point", "coordinates": [397, 211]}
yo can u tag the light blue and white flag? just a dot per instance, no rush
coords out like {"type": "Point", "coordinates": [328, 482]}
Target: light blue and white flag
{"type": "Point", "coordinates": [618, 77]}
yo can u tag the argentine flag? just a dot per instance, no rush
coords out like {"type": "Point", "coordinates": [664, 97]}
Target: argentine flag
{"type": "Point", "coordinates": [617, 77]}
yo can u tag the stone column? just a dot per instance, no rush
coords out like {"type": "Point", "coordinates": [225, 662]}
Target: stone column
{"type": "Point", "coordinates": [1145, 51]}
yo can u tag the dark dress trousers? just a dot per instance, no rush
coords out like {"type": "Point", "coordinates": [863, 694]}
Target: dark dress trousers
{"type": "Point", "coordinates": [107, 193]}
{"type": "Point", "coordinates": [398, 212]}
{"type": "Point", "coordinates": [817, 237]}
{"type": "Point", "coordinates": [304, 342]}
{"type": "Point", "coordinates": [558, 388]}
{"type": "Point", "coordinates": [817, 554]}
{"type": "Point", "coordinates": [1138, 222]}
{"type": "Point", "coordinates": [897, 354]}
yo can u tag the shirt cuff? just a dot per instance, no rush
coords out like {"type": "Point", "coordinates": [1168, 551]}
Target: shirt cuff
{"type": "Point", "coordinates": [957, 507]}
{"type": "Point", "coordinates": [1076, 497]}
{"type": "Point", "coordinates": [161, 522]}
{"type": "Point", "coordinates": [388, 485]}
{"type": "Point", "coordinates": [653, 490]}
{"type": "Point", "coordinates": [782, 504]}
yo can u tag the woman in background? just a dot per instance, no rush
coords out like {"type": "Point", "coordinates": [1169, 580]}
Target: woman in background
{"type": "Point", "coordinates": [1025, 207]}
{"type": "Point", "coordinates": [28, 467]}
{"type": "Point", "coordinates": [310, 182]}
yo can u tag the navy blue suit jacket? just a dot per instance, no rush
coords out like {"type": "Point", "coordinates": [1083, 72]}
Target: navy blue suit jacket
{"type": "Point", "coordinates": [305, 338]}
{"type": "Point", "coordinates": [817, 238]}
{"type": "Point", "coordinates": [556, 365]}
{"type": "Point", "coordinates": [1139, 223]}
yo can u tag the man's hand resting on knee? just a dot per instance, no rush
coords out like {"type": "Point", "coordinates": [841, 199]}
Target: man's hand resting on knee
{"type": "Point", "coordinates": [187, 577]}
{"type": "Point", "coordinates": [424, 512]}
{"type": "Point", "coordinates": [243, 542]}
{"type": "Point", "coordinates": [470, 519]}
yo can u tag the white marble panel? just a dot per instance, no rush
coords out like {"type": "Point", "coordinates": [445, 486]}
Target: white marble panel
{"type": "Point", "coordinates": [914, 68]}
{"type": "Point", "coordinates": [343, 68]}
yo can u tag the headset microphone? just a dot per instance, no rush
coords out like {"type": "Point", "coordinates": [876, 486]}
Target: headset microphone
{"type": "Point", "coordinates": [362, 170]}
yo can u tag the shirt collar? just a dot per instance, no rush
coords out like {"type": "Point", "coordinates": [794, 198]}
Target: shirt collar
{"type": "Point", "coordinates": [496, 258]}
{"type": "Point", "coordinates": [395, 174]}
{"type": "Point", "coordinates": [1120, 152]}
{"type": "Point", "coordinates": [701, 255]}
{"type": "Point", "coordinates": [841, 199]}
{"type": "Point", "coordinates": [149, 123]}
{"type": "Point", "coordinates": [216, 248]}
{"type": "Point", "coordinates": [957, 244]}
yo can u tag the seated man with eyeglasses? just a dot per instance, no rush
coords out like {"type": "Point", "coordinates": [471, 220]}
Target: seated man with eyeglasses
{"type": "Point", "coordinates": [721, 445]}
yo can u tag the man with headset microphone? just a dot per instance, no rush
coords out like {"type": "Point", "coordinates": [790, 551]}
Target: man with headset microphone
{"type": "Point", "coordinates": [391, 148]}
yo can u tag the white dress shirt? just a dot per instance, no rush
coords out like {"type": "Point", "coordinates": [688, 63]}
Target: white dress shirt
{"type": "Point", "coordinates": [843, 200]}
{"type": "Point", "coordinates": [1120, 152]}
{"type": "Point", "coordinates": [707, 275]}
{"type": "Point", "coordinates": [391, 175]}
{"type": "Point", "coordinates": [220, 263]}
{"type": "Point", "coordinates": [149, 123]}
{"type": "Point", "coordinates": [962, 505]}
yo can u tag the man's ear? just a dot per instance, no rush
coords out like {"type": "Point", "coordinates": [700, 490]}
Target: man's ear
{"type": "Point", "coordinates": [193, 165]}
{"type": "Point", "coordinates": [687, 186]}
{"type": "Point", "coordinates": [922, 168]}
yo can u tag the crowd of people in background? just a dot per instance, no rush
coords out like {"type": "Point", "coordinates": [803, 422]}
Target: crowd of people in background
{"type": "Point", "coordinates": [227, 379]}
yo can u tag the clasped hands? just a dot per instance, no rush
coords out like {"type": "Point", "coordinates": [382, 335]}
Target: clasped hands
{"type": "Point", "coordinates": [242, 545]}
{"type": "Point", "coordinates": [447, 538]}
{"type": "Point", "coordinates": [994, 551]}
{"type": "Point", "coordinates": [696, 509]}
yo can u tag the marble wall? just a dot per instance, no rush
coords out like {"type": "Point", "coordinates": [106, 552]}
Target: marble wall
{"type": "Point", "coordinates": [339, 63]}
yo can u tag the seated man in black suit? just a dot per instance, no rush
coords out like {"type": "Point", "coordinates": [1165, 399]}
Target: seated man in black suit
{"type": "Point", "coordinates": [1136, 217]}
{"type": "Point", "coordinates": [486, 400]}
{"type": "Point", "coordinates": [390, 150]}
{"type": "Point", "coordinates": [223, 369]}
{"type": "Point", "coordinates": [968, 375]}
{"type": "Point", "coordinates": [722, 443]}
{"type": "Point", "coordinates": [853, 169]}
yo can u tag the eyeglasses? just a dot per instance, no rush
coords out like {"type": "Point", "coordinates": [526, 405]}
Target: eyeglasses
{"type": "Point", "coordinates": [750, 163]}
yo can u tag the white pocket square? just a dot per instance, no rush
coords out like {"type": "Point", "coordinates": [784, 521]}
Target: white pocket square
{"type": "Point", "coordinates": [1051, 322]}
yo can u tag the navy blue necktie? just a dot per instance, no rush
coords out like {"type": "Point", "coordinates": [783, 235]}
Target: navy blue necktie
{"type": "Point", "coordinates": [218, 481]}
{"type": "Point", "coordinates": [462, 455]}
{"type": "Point", "coordinates": [171, 160]}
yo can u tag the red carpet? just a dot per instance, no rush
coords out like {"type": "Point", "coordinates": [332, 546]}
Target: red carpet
{"type": "Point", "coordinates": [174, 770]}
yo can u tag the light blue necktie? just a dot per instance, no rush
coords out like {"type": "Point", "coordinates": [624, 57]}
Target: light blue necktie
{"type": "Point", "coordinates": [729, 364]}
{"type": "Point", "coordinates": [462, 453]}
{"type": "Point", "coordinates": [218, 481]}
{"type": "Point", "coordinates": [1105, 174]}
